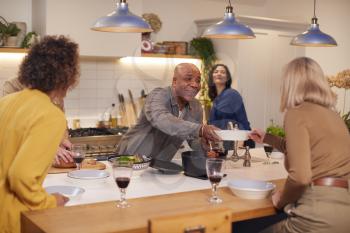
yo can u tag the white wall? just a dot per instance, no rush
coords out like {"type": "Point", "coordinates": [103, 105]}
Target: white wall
{"type": "Point", "coordinates": [18, 11]}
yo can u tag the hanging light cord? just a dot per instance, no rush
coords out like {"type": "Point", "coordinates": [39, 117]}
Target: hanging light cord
{"type": "Point", "coordinates": [314, 8]}
{"type": "Point", "coordinates": [229, 1]}
{"type": "Point", "coordinates": [314, 19]}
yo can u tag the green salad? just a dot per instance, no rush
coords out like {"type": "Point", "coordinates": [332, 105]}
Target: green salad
{"type": "Point", "coordinates": [130, 158]}
{"type": "Point", "coordinates": [276, 130]}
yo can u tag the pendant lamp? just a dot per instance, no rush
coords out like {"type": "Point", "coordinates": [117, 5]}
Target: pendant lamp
{"type": "Point", "coordinates": [229, 28]}
{"type": "Point", "coordinates": [314, 37]}
{"type": "Point", "coordinates": [121, 20]}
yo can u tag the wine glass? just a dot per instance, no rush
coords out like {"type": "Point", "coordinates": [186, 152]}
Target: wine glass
{"type": "Point", "coordinates": [79, 151]}
{"type": "Point", "coordinates": [122, 172]}
{"type": "Point", "coordinates": [215, 173]}
{"type": "Point", "coordinates": [268, 150]}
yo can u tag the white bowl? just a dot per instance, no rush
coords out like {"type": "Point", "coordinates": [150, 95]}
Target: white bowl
{"type": "Point", "coordinates": [251, 189]}
{"type": "Point", "coordinates": [69, 191]}
{"type": "Point", "coordinates": [233, 135]}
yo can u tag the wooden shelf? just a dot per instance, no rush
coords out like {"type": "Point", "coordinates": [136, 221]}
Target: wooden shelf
{"type": "Point", "coordinates": [160, 55]}
{"type": "Point", "coordinates": [13, 50]}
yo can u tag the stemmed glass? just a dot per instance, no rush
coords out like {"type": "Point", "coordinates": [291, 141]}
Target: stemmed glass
{"type": "Point", "coordinates": [268, 150]}
{"type": "Point", "coordinates": [122, 172]}
{"type": "Point", "coordinates": [215, 172]}
{"type": "Point", "coordinates": [79, 151]}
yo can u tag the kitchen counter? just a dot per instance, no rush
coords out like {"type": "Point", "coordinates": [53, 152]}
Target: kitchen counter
{"type": "Point", "coordinates": [151, 194]}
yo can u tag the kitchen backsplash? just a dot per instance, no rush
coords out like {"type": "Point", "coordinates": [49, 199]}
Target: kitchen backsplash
{"type": "Point", "coordinates": [102, 79]}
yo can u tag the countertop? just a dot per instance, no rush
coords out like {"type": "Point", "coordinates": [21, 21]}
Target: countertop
{"type": "Point", "coordinates": [151, 182]}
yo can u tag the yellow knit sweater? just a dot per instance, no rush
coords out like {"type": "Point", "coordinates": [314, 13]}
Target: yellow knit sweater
{"type": "Point", "coordinates": [31, 128]}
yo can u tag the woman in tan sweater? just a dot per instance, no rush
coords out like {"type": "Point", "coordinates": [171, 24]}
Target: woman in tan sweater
{"type": "Point", "coordinates": [316, 195]}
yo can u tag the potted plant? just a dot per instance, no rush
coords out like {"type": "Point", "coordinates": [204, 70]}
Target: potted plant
{"type": "Point", "coordinates": [204, 49]}
{"type": "Point", "coordinates": [9, 32]}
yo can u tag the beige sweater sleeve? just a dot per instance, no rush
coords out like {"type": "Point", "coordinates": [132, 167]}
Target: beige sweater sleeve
{"type": "Point", "coordinates": [298, 158]}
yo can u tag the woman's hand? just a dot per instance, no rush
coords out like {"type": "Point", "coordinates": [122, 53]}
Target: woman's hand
{"type": "Point", "coordinates": [276, 197]}
{"type": "Point", "coordinates": [63, 153]}
{"type": "Point", "coordinates": [60, 199]}
{"type": "Point", "coordinates": [257, 135]}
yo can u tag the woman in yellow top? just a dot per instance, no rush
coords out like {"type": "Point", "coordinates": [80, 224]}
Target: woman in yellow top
{"type": "Point", "coordinates": [316, 195]}
{"type": "Point", "coordinates": [31, 128]}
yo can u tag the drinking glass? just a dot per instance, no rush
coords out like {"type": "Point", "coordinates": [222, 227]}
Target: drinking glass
{"type": "Point", "coordinates": [215, 172]}
{"type": "Point", "coordinates": [122, 172]}
{"type": "Point", "coordinates": [268, 150]}
{"type": "Point", "coordinates": [79, 151]}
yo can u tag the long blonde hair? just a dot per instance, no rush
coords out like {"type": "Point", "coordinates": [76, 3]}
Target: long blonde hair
{"type": "Point", "coordinates": [303, 80]}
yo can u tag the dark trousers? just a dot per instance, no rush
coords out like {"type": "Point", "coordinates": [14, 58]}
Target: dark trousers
{"type": "Point", "coordinates": [257, 224]}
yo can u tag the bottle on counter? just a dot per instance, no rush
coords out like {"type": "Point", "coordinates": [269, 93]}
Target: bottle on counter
{"type": "Point", "coordinates": [115, 117]}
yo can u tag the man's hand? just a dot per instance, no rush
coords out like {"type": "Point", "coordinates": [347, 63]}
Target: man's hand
{"type": "Point", "coordinates": [208, 133]}
{"type": "Point", "coordinates": [257, 135]}
{"type": "Point", "coordinates": [60, 199]}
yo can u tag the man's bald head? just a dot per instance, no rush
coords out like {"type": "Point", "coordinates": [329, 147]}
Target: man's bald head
{"type": "Point", "coordinates": [186, 81]}
{"type": "Point", "coordinates": [186, 68]}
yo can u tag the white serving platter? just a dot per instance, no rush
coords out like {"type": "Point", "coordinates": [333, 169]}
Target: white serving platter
{"type": "Point", "coordinates": [233, 135]}
{"type": "Point", "coordinates": [88, 174]}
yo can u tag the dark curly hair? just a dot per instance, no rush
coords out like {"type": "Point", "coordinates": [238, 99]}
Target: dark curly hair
{"type": "Point", "coordinates": [212, 88]}
{"type": "Point", "coordinates": [51, 64]}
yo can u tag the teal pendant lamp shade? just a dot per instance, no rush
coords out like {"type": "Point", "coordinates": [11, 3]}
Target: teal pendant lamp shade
{"type": "Point", "coordinates": [121, 20]}
{"type": "Point", "coordinates": [229, 28]}
{"type": "Point", "coordinates": [314, 37]}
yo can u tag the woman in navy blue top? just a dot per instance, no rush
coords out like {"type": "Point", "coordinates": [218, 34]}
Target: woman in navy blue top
{"type": "Point", "coordinates": [227, 103]}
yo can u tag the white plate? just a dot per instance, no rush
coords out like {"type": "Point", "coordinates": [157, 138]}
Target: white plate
{"type": "Point", "coordinates": [68, 191]}
{"type": "Point", "coordinates": [88, 174]}
{"type": "Point", "coordinates": [233, 135]}
{"type": "Point", "coordinates": [251, 189]}
{"type": "Point", "coordinates": [277, 155]}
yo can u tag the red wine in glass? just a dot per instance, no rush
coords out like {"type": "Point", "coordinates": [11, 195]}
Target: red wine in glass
{"type": "Point", "coordinates": [122, 182]}
{"type": "Point", "coordinates": [215, 179]}
{"type": "Point", "coordinates": [215, 173]}
{"type": "Point", "coordinates": [122, 172]}
{"type": "Point", "coordinates": [78, 159]}
{"type": "Point", "coordinates": [268, 150]}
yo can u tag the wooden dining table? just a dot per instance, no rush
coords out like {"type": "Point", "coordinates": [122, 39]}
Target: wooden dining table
{"type": "Point", "coordinates": [106, 217]}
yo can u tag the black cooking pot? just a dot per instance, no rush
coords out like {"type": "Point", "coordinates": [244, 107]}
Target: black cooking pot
{"type": "Point", "coordinates": [193, 163]}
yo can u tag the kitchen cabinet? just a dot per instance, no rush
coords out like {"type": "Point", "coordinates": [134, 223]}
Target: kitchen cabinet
{"type": "Point", "coordinates": [75, 18]}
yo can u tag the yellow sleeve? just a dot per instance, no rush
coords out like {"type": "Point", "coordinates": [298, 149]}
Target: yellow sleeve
{"type": "Point", "coordinates": [298, 158]}
{"type": "Point", "coordinates": [32, 161]}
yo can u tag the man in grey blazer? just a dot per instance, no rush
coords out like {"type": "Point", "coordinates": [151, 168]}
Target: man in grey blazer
{"type": "Point", "coordinates": [170, 116]}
